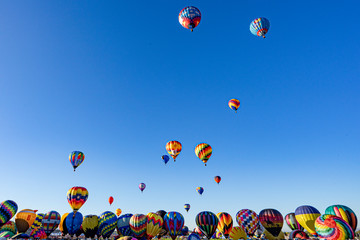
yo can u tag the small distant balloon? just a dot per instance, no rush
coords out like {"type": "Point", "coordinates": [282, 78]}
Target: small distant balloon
{"type": "Point", "coordinates": [111, 200]}
{"type": "Point", "coordinates": [118, 212]}
{"type": "Point", "coordinates": [234, 104]}
{"type": "Point", "coordinates": [203, 151]}
{"type": "Point", "coordinates": [187, 207]}
{"type": "Point", "coordinates": [173, 148]}
{"type": "Point", "coordinates": [165, 158]}
{"type": "Point", "coordinates": [190, 17]}
{"type": "Point", "coordinates": [217, 179]}
{"type": "Point", "coordinates": [260, 26]}
{"type": "Point", "coordinates": [200, 190]}
{"type": "Point", "coordinates": [142, 186]}
{"type": "Point", "coordinates": [76, 159]}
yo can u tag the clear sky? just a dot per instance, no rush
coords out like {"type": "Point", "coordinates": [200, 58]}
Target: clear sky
{"type": "Point", "coordinates": [118, 79]}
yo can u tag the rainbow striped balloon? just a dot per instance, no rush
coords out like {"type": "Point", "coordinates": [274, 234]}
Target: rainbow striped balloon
{"type": "Point", "coordinates": [50, 222]}
{"type": "Point", "coordinates": [154, 223]}
{"type": "Point", "coordinates": [38, 233]}
{"type": "Point", "coordinates": [173, 148]}
{"type": "Point", "coordinates": [203, 151]}
{"type": "Point", "coordinates": [343, 212]}
{"type": "Point", "coordinates": [76, 158]}
{"type": "Point", "coordinates": [8, 209]}
{"type": "Point", "coordinates": [332, 227]}
{"type": "Point", "coordinates": [76, 197]}
{"type": "Point", "coordinates": [234, 104]}
{"type": "Point", "coordinates": [9, 226]}
{"type": "Point", "coordinates": [138, 225]}
{"type": "Point", "coordinates": [225, 223]}
{"type": "Point", "coordinates": [173, 223]}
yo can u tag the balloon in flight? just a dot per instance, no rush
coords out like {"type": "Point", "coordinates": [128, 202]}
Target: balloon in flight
{"type": "Point", "coordinates": [234, 104]}
{"type": "Point", "coordinates": [118, 212]}
{"type": "Point", "coordinates": [173, 148]}
{"type": "Point", "coordinates": [142, 186]}
{"type": "Point", "coordinates": [217, 179]}
{"type": "Point", "coordinates": [200, 190]}
{"type": "Point", "coordinates": [165, 158]}
{"type": "Point", "coordinates": [203, 151]}
{"type": "Point", "coordinates": [111, 200]}
{"type": "Point", "coordinates": [76, 159]}
{"type": "Point", "coordinates": [187, 207]}
{"type": "Point", "coordinates": [190, 17]}
{"type": "Point", "coordinates": [260, 26]}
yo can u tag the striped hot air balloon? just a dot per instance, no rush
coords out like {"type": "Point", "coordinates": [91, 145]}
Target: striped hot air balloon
{"type": "Point", "coordinates": [345, 213]}
{"type": "Point", "coordinates": [225, 223]}
{"type": "Point", "coordinates": [203, 151]}
{"type": "Point", "coordinates": [76, 159]}
{"type": "Point", "coordinates": [50, 222]}
{"type": "Point", "coordinates": [306, 216]}
{"type": "Point", "coordinates": [234, 104]}
{"type": "Point", "coordinates": [190, 17]}
{"type": "Point", "coordinates": [76, 197]}
{"type": "Point", "coordinates": [138, 225]}
{"type": "Point", "coordinates": [154, 223]}
{"type": "Point", "coordinates": [187, 207]}
{"type": "Point", "coordinates": [173, 148]}
{"type": "Point", "coordinates": [331, 227]}
{"type": "Point", "coordinates": [260, 26]}
{"type": "Point", "coordinates": [207, 222]}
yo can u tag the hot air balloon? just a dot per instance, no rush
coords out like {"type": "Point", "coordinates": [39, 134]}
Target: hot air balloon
{"type": "Point", "coordinates": [173, 148]}
{"type": "Point", "coordinates": [217, 179]}
{"type": "Point", "coordinates": [248, 221]}
{"type": "Point", "coordinates": [107, 224]}
{"type": "Point", "coordinates": [8, 209]}
{"type": "Point", "coordinates": [194, 236]}
{"type": "Point", "coordinates": [207, 222]}
{"type": "Point", "coordinates": [200, 190]}
{"type": "Point", "coordinates": [24, 219]}
{"type": "Point", "coordinates": [138, 225]}
{"type": "Point", "coordinates": [306, 216]}
{"type": "Point", "coordinates": [142, 186]}
{"type": "Point", "coordinates": [76, 197]}
{"type": "Point", "coordinates": [90, 225]}
{"type": "Point", "coordinates": [259, 27]}
{"type": "Point", "coordinates": [6, 234]}
{"type": "Point", "coordinates": [173, 222]}
{"type": "Point", "coordinates": [165, 158]}
{"type": "Point", "coordinates": [154, 223]}
{"type": "Point", "coordinates": [237, 233]}
{"type": "Point", "coordinates": [184, 231]}
{"type": "Point", "coordinates": [118, 212]}
{"type": "Point", "coordinates": [9, 226]}
{"type": "Point", "coordinates": [187, 207]}
{"type": "Point", "coordinates": [123, 225]}
{"type": "Point", "coordinates": [218, 235]}
{"type": "Point", "coordinates": [299, 234]}
{"type": "Point", "coordinates": [203, 151]}
{"type": "Point", "coordinates": [345, 213]}
{"type": "Point", "coordinates": [190, 17]}
{"type": "Point", "coordinates": [76, 158]}
{"type": "Point", "coordinates": [272, 220]}
{"type": "Point", "coordinates": [111, 200]}
{"type": "Point", "coordinates": [225, 223]}
{"type": "Point", "coordinates": [50, 222]}
{"type": "Point", "coordinates": [292, 223]}
{"type": "Point", "coordinates": [62, 225]}
{"type": "Point", "coordinates": [38, 221]}
{"type": "Point", "coordinates": [73, 222]}
{"type": "Point", "coordinates": [198, 231]}
{"type": "Point", "coordinates": [332, 227]}
{"type": "Point", "coordinates": [163, 231]}
{"type": "Point", "coordinates": [234, 104]}
{"type": "Point", "coordinates": [38, 233]}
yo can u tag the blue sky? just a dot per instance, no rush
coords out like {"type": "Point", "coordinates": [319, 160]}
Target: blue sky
{"type": "Point", "coordinates": [118, 79]}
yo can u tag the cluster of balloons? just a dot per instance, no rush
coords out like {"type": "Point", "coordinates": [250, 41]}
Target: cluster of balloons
{"type": "Point", "coordinates": [190, 17]}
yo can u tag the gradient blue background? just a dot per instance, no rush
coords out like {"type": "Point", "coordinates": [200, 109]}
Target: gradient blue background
{"type": "Point", "coordinates": [119, 79]}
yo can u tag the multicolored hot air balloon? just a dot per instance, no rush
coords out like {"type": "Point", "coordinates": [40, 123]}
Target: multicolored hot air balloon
{"type": "Point", "coordinates": [107, 224]}
{"type": "Point", "coordinates": [234, 104]}
{"type": "Point", "coordinates": [260, 26]}
{"type": "Point", "coordinates": [38, 221]}
{"type": "Point", "coordinates": [6, 234]}
{"type": "Point", "coordinates": [237, 233]}
{"type": "Point", "coordinates": [332, 227]}
{"type": "Point", "coordinates": [138, 225]}
{"type": "Point", "coordinates": [8, 209]}
{"type": "Point", "coordinates": [217, 179]}
{"type": "Point", "coordinates": [73, 222]}
{"type": "Point", "coordinates": [90, 225]}
{"type": "Point", "coordinates": [225, 223]}
{"type": "Point", "coordinates": [299, 234]}
{"type": "Point", "coordinates": [76, 159]}
{"type": "Point", "coordinates": [154, 223]}
{"type": "Point", "coordinates": [62, 225]}
{"type": "Point", "coordinates": [111, 200]}
{"type": "Point", "coordinates": [24, 219]}
{"type": "Point", "coordinates": [76, 197]}
{"type": "Point", "coordinates": [173, 222]}
{"type": "Point", "coordinates": [203, 151]}
{"type": "Point", "coordinates": [38, 233]}
{"type": "Point", "coordinates": [118, 212]}
{"type": "Point", "coordinates": [248, 221]}
{"type": "Point", "coordinates": [123, 224]}
{"type": "Point", "coordinates": [345, 213]}
{"type": "Point", "coordinates": [190, 17]}
{"type": "Point", "coordinates": [165, 158]}
{"type": "Point", "coordinates": [200, 190]}
{"type": "Point", "coordinates": [9, 226]}
{"type": "Point", "coordinates": [163, 231]}
{"type": "Point", "coordinates": [50, 222]}
{"type": "Point", "coordinates": [292, 222]}
{"type": "Point", "coordinates": [194, 236]}
{"type": "Point", "coordinates": [306, 216]}
{"type": "Point", "coordinates": [184, 231]}
{"type": "Point", "coordinates": [142, 186]}
{"type": "Point", "coordinates": [272, 220]}
{"type": "Point", "coordinates": [207, 222]}
{"type": "Point", "coordinates": [173, 148]}
{"type": "Point", "coordinates": [187, 207]}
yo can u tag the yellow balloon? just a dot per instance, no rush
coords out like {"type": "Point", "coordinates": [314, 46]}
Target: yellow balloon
{"type": "Point", "coordinates": [306, 216]}
{"type": "Point", "coordinates": [118, 212]}
{"type": "Point", "coordinates": [237, 233]}
{"type": "Point", "coordinates": [24, 219]}
{"type": "Point", "coordinates": [269, 236]}
{"type": "Point", "coordinates": [154, 223]}
{"type": "Point", "coordinates": [90, 225]}
{"type": "Point", "coordinates": [62, 226]}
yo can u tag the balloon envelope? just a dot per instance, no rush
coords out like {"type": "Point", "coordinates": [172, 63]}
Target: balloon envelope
{"type": "Point", "coordinates": [154, 223]}
{"type": "Point", "coordinates": [225, 223]}
{"type": "Point", "coordinates": [272, 220]}
{"type": "Point", "coordinates": [217, 179]}
{"type": "Point", "coordinates": [187, 207]}
{"type": "Point", "coordinates": [203, 151]}
{"type": "Point", "coordinates": [90, 225]}
{"type": "Point", "coordinates": [173, 222]}
{"type": "Point", "coordinates": [292, 222]}
{"type": "Point", "coordinates": [260, 26]}
{"type": "Point", "coordinates": [38, 221]}
{"type": "Point", "coordinates": [332, 227]}
{"type": "Point", "coordinates": [76, 158]}
{"type": "Point", "coordinates": [50, 222]}
{"type": "Point", "coordinates": [73, 222]}
{"type": "Point", "coordinates": [6, 234]}
{"type": "Point", "coordinates": [306, 216]}
{"type": "Point", "coordinates": [123, 225]}
{"type": "Point", "coordinates": [343, 212]}
{"type": "Point", "coordinates": [190, 17]}
{"type": "Point", "coordinates": [38, 233]}
{"type": "Point", "coordinates": [194, 236]}
{"type": "Point", "coordinates": [173, 148]}
{"type": "Point", "coordinates": [118, 212]}
{"type": "Point", "coordinates": [76, 197]}
{"type": "Point", "coordinates": [107, 224]}
{"type": "Point", "coordinates": [165, 158]}
{"type": "Point", "coordinates": [142, 186]}
{"type": "Point", "coordinates": [234, 104]}
{"type": "Point", "coordinates": [8, 209]}
{"type": "Point", "coordinates": [248, 221]}
{"type": "Point", "coordinates": [200, 190]}
{"type": "Point", "coordinates": [298, 234]}
{"type": "Point", "coordinates": [237, 233]}
{"type": "Point", "coordinates": [62, 225]}
{"type": "Point", "coordinates": [207, 222]}
{"type": "Point", "coordinates": [138, 225]}
{"type": "Point", "coordinates": [9, 226]}
{"type": "Point", "coordinates": [24, 219]}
